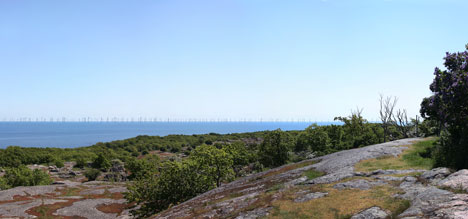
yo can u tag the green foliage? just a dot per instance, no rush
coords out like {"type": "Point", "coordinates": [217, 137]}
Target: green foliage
{"type": "Point", "coordinates": [240, 155]}
{"type": "Point", "coordinates": [312, 174]}
{"type": "Point", "coordinates": [101, 162]}
{"type": "Point", "coordinates": [421, 155]}
{"type": "Point", "coordinates": [429, 127]}
{"type": "Point", "coordinates": [81, 163]}
{"type": "Point", "coordinates": [92, 174]}
{"type": "Point", "coordinates": [448, 106]}
{"type": "Point", "coordinates": [23, 176]}
{"type": "Point", "coordinates": [314, 138]}
{"type": "Point", "coordinates": [3, 184]}
{"type": "Point", "coordinates": [214, 163]}
{"type": "Point", "coordinates": [274, 150]}
{"type": "Point", "coordinates": [177, 182]}
{"type": "Point", "coordinates": [358, 132]}
{"type": "Point", "coordinates": [59, 163]}
{"type": "Point", "coordinates": [140, 168]}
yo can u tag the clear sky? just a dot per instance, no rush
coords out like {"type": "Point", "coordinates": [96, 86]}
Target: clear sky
{"type": "Point", "coordinates": [244, 59]}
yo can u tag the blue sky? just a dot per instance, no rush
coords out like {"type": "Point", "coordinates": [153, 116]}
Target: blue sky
{"type": "Point", "coordinates": [245, 59]}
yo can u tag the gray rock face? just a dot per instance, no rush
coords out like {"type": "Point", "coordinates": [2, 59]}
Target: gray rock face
{"type": "Point", "coordinates": [310, 196]}
{"type": "Point", "coordinates": [424, 199]}
{"type": "Point", "coordinates": [371, 213]}
{"type": "Point", "coordinates": [18, 209]}
{"type": "Point", "coordinates": [435, 175]}
{"type": "Point", "coordinates": [87, 208]}
{"type": "Point", "coordinates": [457, 207]}
{"type": "Point", "coordinates": [358, 184]}
{"type": "Point", "coordinates": [457, 180]}
{"type": "Point", "coordinates": [17, 202]}
{"type": "Point", "coordinates": [7, 195]}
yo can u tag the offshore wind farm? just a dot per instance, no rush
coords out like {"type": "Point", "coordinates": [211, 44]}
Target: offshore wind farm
{"type": "Point", "coordinates": [70, 134]}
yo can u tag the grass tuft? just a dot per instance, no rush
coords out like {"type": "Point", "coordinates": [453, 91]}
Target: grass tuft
{"type": "Point", "coordinates": [312, 174]}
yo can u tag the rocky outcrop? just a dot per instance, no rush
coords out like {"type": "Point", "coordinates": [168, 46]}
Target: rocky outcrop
{"type": "Point", "coordinates": [340, 165]}
{"type": "Point", "coordinates": [71, 199]}
{"type": "Point", "coordinates": [88, 209]}
{"type": "Point", "coordinates": [456, 181]}
{"type": "Point", "coordinates": [358, 184]}
{"type": "Point", "coordinates": [371, 213]}
{"type": "Point", "coordinates": [116, 173]}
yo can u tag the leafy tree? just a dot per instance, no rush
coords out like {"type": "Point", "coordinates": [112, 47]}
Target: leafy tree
{"type": "Point", "coordinates": [239, 154]}
{"type": "Point", "coordinates": [274, 150]}
{"type": "Point", "coordinates": [142, 167]}
{"type": "Point", "coordinates": [449, 106]}
{"type": "Point", "coordinates": [177, 182]}
{"type": "Point", "coordinates": [358, 132]}
{"type": "Point", "coordinates": [336, 134]}
{"type": "Point", "coordinates": [215, 163]}
{"type": "Point", "coordinates": [314, 138]}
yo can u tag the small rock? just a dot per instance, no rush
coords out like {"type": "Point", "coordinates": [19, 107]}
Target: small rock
{"type": "Point", "coordinates": [259, 212]}
{"type": "Point", "coordinates": [311, 196]}
{"type": "Point", "coordinates": [53, 169]}
{"type": "Point", "coordinates": [371, 213]}
{"type": "Point", "coordinates": [358, 184]}
{"type": "Point", "coordinates": [388, 178]}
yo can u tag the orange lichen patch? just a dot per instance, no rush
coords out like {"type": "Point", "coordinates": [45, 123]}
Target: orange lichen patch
{"type": "Point", "coordinates": [47, 211]}
{"type": "Point", "coordinates": [115, 208]}
{"type": "Point", "coordinates": [106, 194]}
{"type": "Point", "coordinates": [288, 168]}
{"type": "Point", "coordinates": [70, 191]}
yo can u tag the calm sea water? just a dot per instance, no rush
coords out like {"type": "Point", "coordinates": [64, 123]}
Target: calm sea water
{"type": "Point", "coordinates": [76, 134]}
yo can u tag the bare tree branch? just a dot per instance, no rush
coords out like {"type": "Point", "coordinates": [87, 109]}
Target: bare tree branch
{"type": "Point", "coordinates": [387, 105]}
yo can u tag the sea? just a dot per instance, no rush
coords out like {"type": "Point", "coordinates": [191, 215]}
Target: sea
{"type": "Point", "coordinates": [79, 134]}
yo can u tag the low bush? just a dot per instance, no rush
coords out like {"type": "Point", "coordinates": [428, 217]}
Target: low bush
{"type": "Point", "coordinates": [23, 176]}
{"type": "Point", "coordinates": [92, 174]}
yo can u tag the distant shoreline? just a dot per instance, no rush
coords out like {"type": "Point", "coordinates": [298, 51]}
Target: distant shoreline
{"type": "Point", "coordinates": [82, 134]}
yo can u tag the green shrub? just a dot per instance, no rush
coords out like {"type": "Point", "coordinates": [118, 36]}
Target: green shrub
{"type": "Point", "coordinates": [3, 184]}
{"type": "Point", "coordinates": [23, 176]}
{"type": "Point", "coordinates": [59, 163]}
{"type": "Point", "coordinates": [92, 174]}
{"type": "Point", "coordinates": [101, 162]}
{"type": "Point", "coordinates": [274, 150]}
{"type": "Point", "coordinates": [81, 163]}
{"type": "Point", "coordinates": [312, 174]}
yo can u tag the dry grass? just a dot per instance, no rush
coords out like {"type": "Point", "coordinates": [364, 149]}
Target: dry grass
{"type": "Point", "coordinates": [339, 203]}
